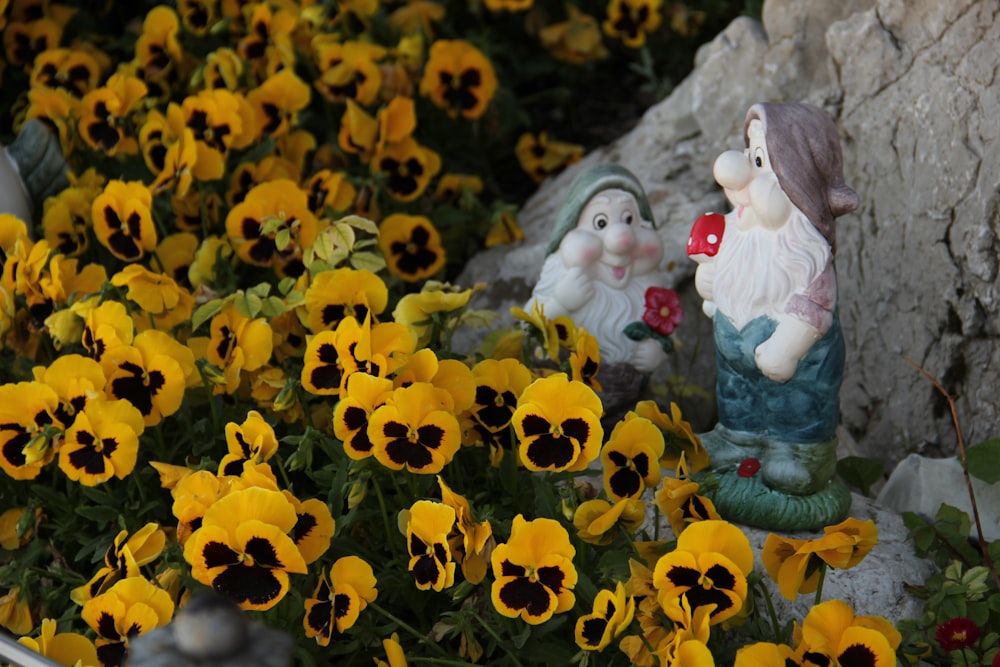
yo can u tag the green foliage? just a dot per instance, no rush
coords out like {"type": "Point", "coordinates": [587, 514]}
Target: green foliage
{"type": "Point", "coordinates": [983, 460]}
{"type": "Point", "coordinates": [962, 592]}
{"type": "Point", "coordinates": [860, 472]}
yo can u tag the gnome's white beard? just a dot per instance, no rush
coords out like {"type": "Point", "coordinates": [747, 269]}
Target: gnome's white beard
{"type": "Point", "coordinates": [758, 270]}
{"type": "Point", "coordinates": [606, 315]}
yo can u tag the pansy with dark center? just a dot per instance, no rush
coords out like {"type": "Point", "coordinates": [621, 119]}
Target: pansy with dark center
{"type": "Point", "coordinates": [364, 394]}
{"type": "Point", "coordinates": [343, 292]}
{"type": "Point", "coordinates": [74, 71]}
{"type": "Point", "coordinates": [130, 608]}
{"type": "Point", "coordinates": [557, 422]}
{"type": "Point", "coordinates": [585, 360]}
{"type": "Point", "coordinates": [66, 221]}
{"type": "Point", "coordinates": [414, 430]}
{"type": "Point", "coordinates": [533, 571]}
{"type": "Point", "coordinates": [412, 246]}
{"type": "Point", "coordinates": [274, 208]}
{"type": "Point", "coordinates": [26, 410]}
{"type": "Point", "coordinates": [103, 442]}
{"type": "Point", "coordinates": [314, 527]}
{"type": "Point", "coordinates": [77, 380]}
{"type": "Point", "coordinates": [708, 567]}
{"type": "Point", "coordinates": [427, 543]}
{"type": "Point", "coordinates": [322, 370]}
{"type": "Point", "coordinates": [612, 613]}
{"type": "Point", "coordinates": [458, 78]}
{"type": "Point", "coordinates": [833, 635]}
{"type": "Point", "coordinates": [105, 328]}
{"type": "Point", "coordinates": [104, 113]}
{"type": "Point", "coordinates": [631, 20]}
{"type": "Point", "coordinates": [243, 549]}
{"type": "Point", "coordinates": [253, 440]}
{"type": "Point", "coordinates": [541, 157]}
{"type": "Point", "coordinates": [330, 190]}
{"type": "Point", "coordinates": [155, 387]}
{"type": "Point", "coordinates": [277, 102]}
{"type": "Point", "coordinates": [631, 458]}
{"type": "Point", "coordinates": [123, 219]}
{"type": "Point", "coordinates": [499, 383]}
{"type": "Point", "coordinates": [407, 167]}
{"type": "Point", "coordinates": [197, 15]}
{"type": "Point", "coordinates": [349, 71]}
{"type": "Point", "coordinates": [339, 598]}
{"type": "Point", "coordinates": [26, 40]}
{"type": "Point", "coordinates": [122, 560]}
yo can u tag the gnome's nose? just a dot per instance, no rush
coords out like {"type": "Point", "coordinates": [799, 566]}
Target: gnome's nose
{"type": "Point", "coordinates": [732, 170]}
{"type": "Point", "coordinates": [619, 239]}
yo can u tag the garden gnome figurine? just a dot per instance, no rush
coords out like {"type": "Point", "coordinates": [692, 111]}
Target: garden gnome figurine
{"type": "Point", "coordinates": [771, 290]}
{"type": "Point", "coordinates": [211, 631]}
{"type": "Point", "coordinates": [603, 254]}
{"type": "Point", "coordinates": [32, 168]}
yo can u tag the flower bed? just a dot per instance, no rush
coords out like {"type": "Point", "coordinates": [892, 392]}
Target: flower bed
{"type": "Point", "coordinates": [227, 358]}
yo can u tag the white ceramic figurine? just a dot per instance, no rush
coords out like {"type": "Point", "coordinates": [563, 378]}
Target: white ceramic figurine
{"type": "Point", "coordinates": [603, 255]}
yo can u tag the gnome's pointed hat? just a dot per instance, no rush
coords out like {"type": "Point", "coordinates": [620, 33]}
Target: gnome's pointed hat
{"type": "Point", "coordinates": [804, 149]}
{"type": "Point", "coordinates": [589, 182]}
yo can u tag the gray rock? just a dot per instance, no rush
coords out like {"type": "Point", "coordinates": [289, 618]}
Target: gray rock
{"type": "Point", "coordinates": [912, 87]}
{"type": "Point", "coordinates": [874, 587]}
{"type": "Point", "coordinates": [920, 484]}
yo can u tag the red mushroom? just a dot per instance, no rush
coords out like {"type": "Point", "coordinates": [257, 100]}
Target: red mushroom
{"type": "Point", "coordinates": [706, 235]}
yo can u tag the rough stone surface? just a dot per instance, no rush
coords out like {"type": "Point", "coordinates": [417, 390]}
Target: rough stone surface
{"type": "Point", "coordinates": [876, 586]}
{"type": "Point", "coordinates": [912, 86]}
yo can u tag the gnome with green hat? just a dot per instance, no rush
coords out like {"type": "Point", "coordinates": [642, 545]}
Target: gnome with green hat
{"type": "Point", "coordinates": [603, 256]}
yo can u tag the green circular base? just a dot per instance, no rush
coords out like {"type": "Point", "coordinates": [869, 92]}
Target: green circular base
{"type": "Point", "coordinates": [750, 502]}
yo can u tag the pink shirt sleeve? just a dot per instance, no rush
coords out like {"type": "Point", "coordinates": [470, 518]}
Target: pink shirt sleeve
{"type": "Point", "coordinates": [815, 305]}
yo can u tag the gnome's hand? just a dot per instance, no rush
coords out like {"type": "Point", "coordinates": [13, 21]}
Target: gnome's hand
{"type": "Point", "coordinates": [574, 289]}
{"type": "Point", "coordinates": [648, 356]}
{"type": "Point", "coordinates": [778, 356]}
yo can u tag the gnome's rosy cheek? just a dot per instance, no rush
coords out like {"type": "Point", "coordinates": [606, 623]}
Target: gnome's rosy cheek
{"type": "Point", "coordinates": [580, 248]}
{"type": "Point", "coordinates": [648, 244]}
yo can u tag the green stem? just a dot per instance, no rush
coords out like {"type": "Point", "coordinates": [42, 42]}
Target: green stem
{"type": "Point", "coordinates": [422, 638]}
{"type": "Point", "coordinates": [770, 609]}
{"type": "Point", "coordinates": [161, 445]}
{"type": "Point", "coordinates": [442, 661]}
{"type": "Point", "coordinates": [500, 642]}
{"type": "Point", "coordinates": [819, 586]}
{"type": "Point", "coordinates": [656, 522]}
{"type": "Point", "coordinates": [284, 473]}
{"type": "Point", "coordinates": [211, 403]}
{"type": "Point", "coordinates": [385, 517]}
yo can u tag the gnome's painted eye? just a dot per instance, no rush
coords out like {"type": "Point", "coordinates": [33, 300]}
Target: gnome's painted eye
{"type": "Point", "coordinates": [627, 217]}
{"type": "Point", "coordinates": [758, 157]}
{"type": "Point", "coordinates": [600, 221]}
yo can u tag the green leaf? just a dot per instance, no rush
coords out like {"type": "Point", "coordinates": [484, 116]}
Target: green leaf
{"type": "Point", "coordinates": [99, 513]}
{"type": "Point", "coordinates": [205, 312]}
{"type": "Point", "coordinates": [272, 306]}
{"type": "Point", "coordinates": [860, 472]}
{"type": "Point", "coordinates": [340, 236]}
{"type": "Point", "coordinates": [260, 290]}
{"type": "Point", "coordinates": [367, 260]}
{"type": "Point", "coordinates": [637, 330]}
{"type": "Point", "coordinates": [364, 224]}
{"type": "Point", "coordinates": [983, 461]}
{"type": "Point", "coordinates": [282, 239]}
